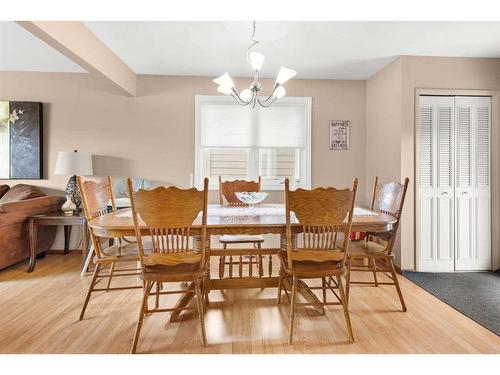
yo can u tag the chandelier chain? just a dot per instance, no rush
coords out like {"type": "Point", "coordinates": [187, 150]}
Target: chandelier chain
{"type": "Point", "coordinates": [254, 41]}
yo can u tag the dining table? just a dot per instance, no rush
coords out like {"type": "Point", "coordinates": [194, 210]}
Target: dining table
{"type": "Point", "coordinates": [239, 220]}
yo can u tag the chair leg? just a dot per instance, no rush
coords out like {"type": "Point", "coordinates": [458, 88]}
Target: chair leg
{"type": "Point", "coordinates": [348, 281]}
{"type": "Point", "coordinates": [270, 266]}
{"type": "Point", "coordinates": [111, 270]}
{"type": "Point", "coordinates": [142, 312]}
{"type": "Point", "coordinates": [323, 285]}
{"type": "Point", "coordinates": [373, 264]}
{"type": "Point", "coordinates": [157, 301]}
{"type": "Point", "coordinates": [280, 281]}
{"type": "Point", "coordinates": [240, 266]}
{"type": "Point", "coordinates": [396, 284]}
{"type": "Point", "coordinates": [89, 292]}
{"type": "Point", "coordinates": [204, 291]}
{"type": "Point", "coordinates": [261, 265]}
{"type": "Point", "coordinates": [222, 266]}
{"type": "Point", "coordinates": [292, 308]}
{"type": "Point", "coordinates": [207, 298]}
{"type": "Point", "coordinates": [345, 308]}
{"type": "Point", "coordinates": [200, 310]}
{"type": "Point", "coordinates": [250, 265]}
{"type": "Point", "coordinates": [224, 246]}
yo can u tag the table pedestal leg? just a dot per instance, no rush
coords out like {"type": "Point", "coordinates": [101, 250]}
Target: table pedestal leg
{"type": "Point", "coordinates": [308, 294]}
{"type": "Point", "coordinates": [87, 261]}
{"type": "Point", "coordinates": [302, 287]}
{"type": "Point", "coordinates": [183, 302]}
{"type": "Point", "coordinates": [190, 291]}
{"type": "Point", "coordinates": [85, 238]}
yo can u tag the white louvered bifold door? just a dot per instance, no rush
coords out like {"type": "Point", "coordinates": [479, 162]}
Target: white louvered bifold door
{"type": "Point", "coordinates": [472, 187]}
{"type": "Point", "coordinates": [435, 207]}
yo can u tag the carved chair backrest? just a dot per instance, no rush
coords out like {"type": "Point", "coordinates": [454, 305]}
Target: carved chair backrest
{"type": "Point", "coordinates": [96, 197]}
{"type": "Point", "coordinates": [323, 214]}
{"type": "Point", "coordinates": [228, 190]}
{"type": "Point", "coordinates": [169, 213]}
{"type": "Point", "coordinates": [389, 199]}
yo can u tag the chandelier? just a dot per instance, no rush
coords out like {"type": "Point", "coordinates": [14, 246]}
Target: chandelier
{"type": "Point", "coordinates": [250, 96]}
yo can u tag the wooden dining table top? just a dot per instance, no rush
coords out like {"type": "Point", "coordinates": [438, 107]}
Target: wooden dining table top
{"type": "Point", "coordinates": [264, 218]}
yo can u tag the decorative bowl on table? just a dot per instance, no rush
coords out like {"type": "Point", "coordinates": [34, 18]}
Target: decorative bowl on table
{"type": "Point", "coordinates": [251, 197]}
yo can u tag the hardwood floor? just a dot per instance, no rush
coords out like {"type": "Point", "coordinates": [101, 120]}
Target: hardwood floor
{"type": "Point", "coordinates": [39, 314]}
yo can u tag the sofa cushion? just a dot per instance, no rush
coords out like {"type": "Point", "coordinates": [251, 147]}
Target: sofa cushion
{"type": "Point", "coordinates": [21, 192]}
{"type": "Point", "coordinates": [3, 190]}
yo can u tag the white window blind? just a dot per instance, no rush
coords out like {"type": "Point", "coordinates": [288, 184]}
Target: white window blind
{"type": "Point", "coordinates": [224, 125]}
{"type": "Point", "coordinates": [231, 125]}
{"type": "Point", "coordinates": [238, 142]}
{"type": "Point", "coordinates": [281, 126]}
{"type": "Point", "coordinates": [231, 163]}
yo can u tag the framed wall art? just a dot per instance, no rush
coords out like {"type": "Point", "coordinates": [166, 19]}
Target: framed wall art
{"type": "Point", "coordinates": [21, 140]}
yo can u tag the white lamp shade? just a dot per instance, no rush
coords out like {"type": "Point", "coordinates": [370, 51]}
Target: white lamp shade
{"type": "Point", "coordinates": [246, 95]}
{"type": "Point", "coordinates": [284, 75]}
{"type": "Point", "coordinates": [224, 80]}
{"type": "Point", "coordinates": [225, 89]}
{"type": "Point", "coordinates": [256, 60]}
{"type": "Point", "coordinates": [71, 163]}
{"type": "Point", "coordinates": [279, 92]}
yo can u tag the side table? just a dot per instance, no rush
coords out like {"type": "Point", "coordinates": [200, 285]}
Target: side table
{"type": "Point", "coordinates": [57, 218]}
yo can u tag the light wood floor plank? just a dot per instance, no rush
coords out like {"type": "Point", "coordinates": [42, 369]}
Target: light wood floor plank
{"type": "Point", "coordinates": [39, 314]}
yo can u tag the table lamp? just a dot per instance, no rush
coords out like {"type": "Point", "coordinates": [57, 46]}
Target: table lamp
{"type": "Point", "coordinates": [73, 164]}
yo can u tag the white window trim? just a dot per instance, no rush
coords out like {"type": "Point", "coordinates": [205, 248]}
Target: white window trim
{"type": "Point", "coordinates": [267, 184]}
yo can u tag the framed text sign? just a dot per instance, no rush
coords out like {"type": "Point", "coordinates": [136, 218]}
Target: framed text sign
{"type": "Point", "coordinates": [339, 135]}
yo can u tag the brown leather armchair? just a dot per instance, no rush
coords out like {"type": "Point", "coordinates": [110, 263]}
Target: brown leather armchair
{"type": "Point", "coordinates": [16, 205]}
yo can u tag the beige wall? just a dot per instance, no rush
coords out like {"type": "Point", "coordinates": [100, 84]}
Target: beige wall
{"type": "Point", "coordinates": [383, 129]}
{"type": "Point", "coordinates": [390, 98]}
{"type": "Point", "coordinates": [152, 135]}
{"type": "Point", "coordinates": [448, 74]}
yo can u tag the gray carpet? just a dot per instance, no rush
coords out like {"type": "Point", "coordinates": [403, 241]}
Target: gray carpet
{"type": "Point", "coordinates": [474, 294]}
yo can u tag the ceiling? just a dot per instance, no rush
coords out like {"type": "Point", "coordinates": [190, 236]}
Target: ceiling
{"type": "Point", "coordinates": [337, 50]}
{"type": "Point", "coordinates": [19, 50]}
{"type": "Point", "coordinates": [323, 50]}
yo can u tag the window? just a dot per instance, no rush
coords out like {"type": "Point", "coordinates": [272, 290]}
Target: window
{"type": "Point", "coordinates": [240, 142]}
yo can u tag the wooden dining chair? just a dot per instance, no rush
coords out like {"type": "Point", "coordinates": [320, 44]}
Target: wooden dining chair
{"type": "Point", "coordinates": [165, 216]}
{"type": "Point", "coordinates": [375, 254]}
{"type": "Point", "coordinates": [227, 195]}
{"type": "Point", "coordinates": [96, 197]}
{"type": "Point", "coordinates": [318, 247]}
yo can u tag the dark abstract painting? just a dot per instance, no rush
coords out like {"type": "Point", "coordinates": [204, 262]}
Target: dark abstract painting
{"type": "Point", "coordinates": [21, 140]}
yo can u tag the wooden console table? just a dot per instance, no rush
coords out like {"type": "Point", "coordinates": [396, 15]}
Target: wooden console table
{"type": "Point", "coordinates": [57, 218]}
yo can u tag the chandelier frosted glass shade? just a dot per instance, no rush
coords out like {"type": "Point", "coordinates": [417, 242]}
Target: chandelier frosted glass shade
{"type": "Point", "coordinates": [256, 60]}
{"type": "Point", "coordinates": [246, 95]}
{"type": "Point", "coordinates": [225, 89]}
{"type": "Point", "coordinates": [284, 75]}
{"type": "Point", "coordinates": [224, 80]}
{"type": "Point", "coordinates": [279, 92]}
